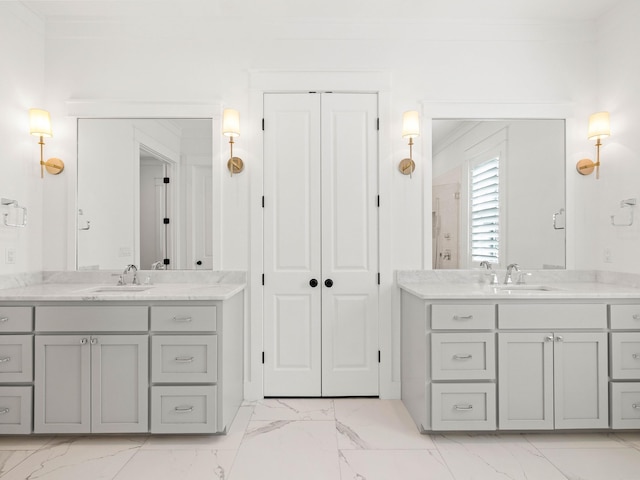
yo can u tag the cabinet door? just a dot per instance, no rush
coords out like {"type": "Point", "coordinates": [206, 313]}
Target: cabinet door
{"type": "Point", "coordinates": [581, 383]}
{"type": "Point", "coordinates": [62, 384]}
{"type": "Point", "coordinates": [525, 381]}
{"type": "Point", "coordinates": [119, 381]}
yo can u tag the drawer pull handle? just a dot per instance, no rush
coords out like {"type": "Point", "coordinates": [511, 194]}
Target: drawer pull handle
{"type": "Point", "coordinates": [462, 356]}
{"type": "Point", "coordinates": [463, 407]}
{"type": "Point", "coordinates": [636, 406]}
{"type": "Point", "coordinates": [4, 319]}
{"type": "Point", "coordinates": [183, 409]}
{"type": "Point", "coordinates": [636, 316]}
{"type": "Point", "coordinates": [636, 356]}
{"type": "Point", "coordinates": [182, 319]}
{"type": "Point", "coordinates": [4, 410]}
{"type": "Point", "coordinates": [5, 359]}
{"type": "Point", "coordinates": [184, 359]}
{"type": "Point", "coordinates": [463, 317]}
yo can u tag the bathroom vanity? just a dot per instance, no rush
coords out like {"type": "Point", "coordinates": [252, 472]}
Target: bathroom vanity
{"type": "Point", "coordinates": [558, 356]}
{"type": "Point", "coordinates": [82, 359]}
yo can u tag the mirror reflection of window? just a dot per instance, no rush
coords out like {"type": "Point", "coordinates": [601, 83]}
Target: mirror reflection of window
{"type": "Point", "coordinates": [531, 189]}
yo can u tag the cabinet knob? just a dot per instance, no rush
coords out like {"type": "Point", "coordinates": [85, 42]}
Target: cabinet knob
{"type": "Point", "coordinates": [548, 338]}
{"type": "Point", "coordinates": [559, 338]}
{"type": "Point", "coordinates": [83, 341]}
{"type": "Point", "coordinates": [636, 406]}
{"type": "Point", "coordinates": [328, 283]}
{"type": "Point", "coordinates": [4, 319]}
{"type": "Point", "coordinates": [313, 282]}
{"type": "Point", "coordinates": [5, 359]}
{"type": "Point", "coordinates": [636, 356]}
{"type": "Point", "coordinates": [94, 341]}
{"type": "Point", "coordinates": [636, 316]}
{"type": "Point", "coordinates": [4, 410]}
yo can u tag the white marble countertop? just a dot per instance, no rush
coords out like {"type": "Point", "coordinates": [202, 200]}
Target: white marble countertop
{"type": "Point", "coordinates": [557, 291]}
{"type": "Point", "coordinates": [48, 292]}
{"type": "Point", "coordinates": [543, 284]}
{"type": "Point", "coordinates": [169, 285]}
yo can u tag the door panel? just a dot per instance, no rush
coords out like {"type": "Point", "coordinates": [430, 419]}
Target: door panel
{"type": "Point", "coordinates": [292, 245]}
{"type": "Point", "coordinates": [349, 244]}
{"type": "Point", "coordinates": [525, 370]}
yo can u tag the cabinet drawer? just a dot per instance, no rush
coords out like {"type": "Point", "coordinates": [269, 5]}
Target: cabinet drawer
{"type": "Point", "coordinates": [15, 410]}
{"type": "Point", "coordinates": [92, 319]}
{"type": "Point", "coordinates": [183, 319]}
{"type": "Point", "coordinates": [625, 317]}
{"type": "Point", "coordinates": [552, 316]}
{"type": "Point", "coordinates": [184, 359]}
{"type": "Point", "coordinates": [189, 409]}
{"type": "Point", "coordinates": [16, 319]}
{"type": "Point", "coordinates": [625, 405]}
{"type": "Point", "coordinates": [463, 406]}
{"type": "Point", "coordinates": [625, 355]}
{"type": "Point", "coordinates": [463, 356]}
{"type": "Point", "coordinates": [16, 358]}
{"type": "Point", "coordinates": [463, 317]}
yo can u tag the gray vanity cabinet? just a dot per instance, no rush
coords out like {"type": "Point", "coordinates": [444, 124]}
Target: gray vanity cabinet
{"type": "Point", "coordinates": [91, 381]}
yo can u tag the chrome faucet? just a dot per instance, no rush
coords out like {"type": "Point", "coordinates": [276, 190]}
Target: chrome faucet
{"type": "Point", "coordinates": [490, 272]}
{"type": "Point", "coordinates": [127, 269]}
{"type": "Point", "coordinates": [510, 268]}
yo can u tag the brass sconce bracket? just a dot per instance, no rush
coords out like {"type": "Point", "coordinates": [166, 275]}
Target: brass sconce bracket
{"type": "Point", "coordinates": [235, 164]}
{"type": "Point", "coordinates": [54, 166]}
{"type": "Point", "coordinates": [407, 166]}
{"type": "Point", "coordinates": [586, 166]}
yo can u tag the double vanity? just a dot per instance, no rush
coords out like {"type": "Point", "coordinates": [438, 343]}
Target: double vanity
{"type": "Point", "coordinates": [103, 358]}
{"type": "Point", "coordinates": [562, 353]}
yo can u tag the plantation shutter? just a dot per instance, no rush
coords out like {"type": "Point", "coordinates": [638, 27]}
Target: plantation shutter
{"type": "Point", "coordinates": [485, 211]}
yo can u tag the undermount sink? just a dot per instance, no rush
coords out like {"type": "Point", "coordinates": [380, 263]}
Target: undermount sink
{"type": "Point", "coordinates": [523, 288]}
{"type": "Point", "coordinates": [121, 288]}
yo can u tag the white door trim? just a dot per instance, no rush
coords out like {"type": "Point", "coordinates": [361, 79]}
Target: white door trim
{"type": "Point", "coordinates": [389, 330]}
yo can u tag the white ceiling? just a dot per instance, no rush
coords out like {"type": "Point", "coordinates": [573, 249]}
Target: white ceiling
{"type": "Point", "coordinates": [518, 10]}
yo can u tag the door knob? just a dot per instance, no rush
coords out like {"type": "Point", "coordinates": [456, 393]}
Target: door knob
{"type": "Point", "coordinates": [328, 283]}
{"type": "Point", "coordinates": [313, 282]}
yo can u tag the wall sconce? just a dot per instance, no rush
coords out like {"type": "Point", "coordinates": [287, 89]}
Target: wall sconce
{"type": "Point", "coordinates": [598, 129]}
{"type": "Point", "coordinates": [231, 129]}
{"type": "Point", "coordinates": [410, 130]}
{"type": "Point", "coordinates": [40, 125]}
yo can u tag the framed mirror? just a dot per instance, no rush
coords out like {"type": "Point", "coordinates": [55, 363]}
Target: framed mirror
{"type": "Point", "coordinates": [144, 193]}
{"type": "Point", "coordinates": [498, 193]}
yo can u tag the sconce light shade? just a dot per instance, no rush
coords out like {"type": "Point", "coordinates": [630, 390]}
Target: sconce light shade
{"type": "Point", "coordinates": [599, 126]}
{"type": "Point", "coordinates": [410, 124]}
{"type": "Point", "coordinates": [39, 123]}
{"type": "Point", "coordinates": [230, 123]}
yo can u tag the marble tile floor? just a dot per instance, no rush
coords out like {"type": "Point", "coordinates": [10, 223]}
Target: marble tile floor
{"type": "Point", "coordinates": [325, 439]}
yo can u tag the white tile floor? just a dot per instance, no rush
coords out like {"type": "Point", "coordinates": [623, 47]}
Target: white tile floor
{"type": "Point", "coordinates": [327, 439]}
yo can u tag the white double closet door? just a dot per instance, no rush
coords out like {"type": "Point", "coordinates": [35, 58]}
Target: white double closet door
{"type": "Point", "coordinates": [321, 245]}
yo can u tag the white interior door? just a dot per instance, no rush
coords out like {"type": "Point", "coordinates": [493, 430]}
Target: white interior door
{"type": "Point", "coordinates": [321, 250]}
{"type": "Point", "coordinates": [292, 245]}
{"type": "Point", "coordinates": [349, 245]}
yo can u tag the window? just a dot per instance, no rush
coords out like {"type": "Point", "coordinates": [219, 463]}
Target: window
{"type": "Point", "coordinates": [485, 211]}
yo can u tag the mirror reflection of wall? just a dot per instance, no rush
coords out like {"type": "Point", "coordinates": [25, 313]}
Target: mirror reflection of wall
{"type": "Point", "coordinates": [144, 191]}
{"type": "Point", "coordinates": [497, 185]}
